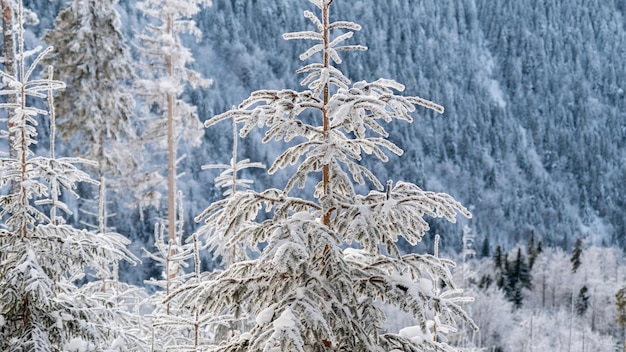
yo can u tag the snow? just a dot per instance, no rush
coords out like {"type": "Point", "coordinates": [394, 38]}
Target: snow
{"type": "Point", "coordinates": [414, 333]}
{"type": "Point", "coordinates": [286, 320]}
{"type": "Point", "coordinates": [266, 315]}
{"type": "Point", "coordinates": [548, 111]}
{"type": "Point", "coordinates": [78, 345]}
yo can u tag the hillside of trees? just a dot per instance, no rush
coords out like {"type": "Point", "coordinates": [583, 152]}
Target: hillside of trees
{"type": "Point", "coordinates": [135, 218]}
{"type": "Point", "coordinates": [534, 122]}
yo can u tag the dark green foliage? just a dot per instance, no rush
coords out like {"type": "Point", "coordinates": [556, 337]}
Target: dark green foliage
{"type": "Point", "coordinates": [485, 282]}
{"type": "Point", "coordinates": [517, 278]}
{"type": "Point", "coordinates": [582, 301]}
{"type": "Point", "coordinates": [485, 249]}
{"type": "Point", "coordinates": [510, 276]}
{"type": "Point", "coordinates": [532, 250]}
{"type": "Point", "coordinates": [576, 253]}
{"type": "Point", "coordinates": [497, 258]}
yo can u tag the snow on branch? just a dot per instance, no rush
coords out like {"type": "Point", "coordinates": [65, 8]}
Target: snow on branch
{"type": "Point", "coordinates": [303, 35]}
{"type": "Point", "coordinates": [379, 218]}
{"type": "Point", "coordinates": [269, 107]}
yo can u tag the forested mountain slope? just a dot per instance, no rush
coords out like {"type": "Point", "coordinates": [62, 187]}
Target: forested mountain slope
{"type": "Point", "coordinates": [535, 124]}
{"type": "Point", "coordinates": [533, 138]}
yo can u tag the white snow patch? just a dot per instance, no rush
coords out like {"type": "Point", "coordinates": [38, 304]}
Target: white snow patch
{"type": "Point", "coordinates": [413, 333]}
{"type": "Point", "coordinates": [78, 345]}
{"type": "Point", "coordinates": [493, 87]}
{"type": "Point", "coordinates": [426, 285]}
{"type": "Point", "coordinates": [265, 316]}
{"type": "Point", "coordinates": [300, 293]}
{"type": "Point", "coordinates": [286, 320]}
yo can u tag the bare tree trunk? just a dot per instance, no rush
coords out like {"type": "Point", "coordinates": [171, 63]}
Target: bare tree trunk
{"type": "Point", "coordinates": [8, 50]}
{"type": "Point", "coordinates": [326, 127]}
{"type": "Point", "coordinates": [171, 151]}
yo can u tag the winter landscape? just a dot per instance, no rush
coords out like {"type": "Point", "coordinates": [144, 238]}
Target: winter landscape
{"type": "Point", "coordinates": [313, 175]}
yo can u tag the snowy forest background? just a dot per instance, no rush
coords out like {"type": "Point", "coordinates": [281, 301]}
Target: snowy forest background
{"type": "Point", "coordinates": [532, 143]}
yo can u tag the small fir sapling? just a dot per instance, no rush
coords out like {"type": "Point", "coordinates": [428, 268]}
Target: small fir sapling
{"type": "Point", "coordinates": [304, 292]}
{"type": "Point", "coordinates": [171, 326]}
{"type": "Point", "coordinates": [231, 183]}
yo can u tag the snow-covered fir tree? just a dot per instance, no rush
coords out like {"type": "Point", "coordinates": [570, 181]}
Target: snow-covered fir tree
{"type": "Point", "coordinates": [305, 291]}
{"type": "Point", "coordinates": [96, 107]}
{"type": "Point", "coordinates": [9, 48]}
{"type": "Point", "coordinates": [165, 74]}
{"type": "Point", "coordinates": [230, 181]}
{"type": "Point", "coordinates": [41, 257]}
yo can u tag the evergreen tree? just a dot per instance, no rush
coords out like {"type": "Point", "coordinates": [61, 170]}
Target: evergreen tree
{"type": "Point", "coordinates": [485, 249]}
{"type": "Point", "coordinates": [531, 250]}
{"type": "Point", "coordinates": [165, 76]}
{"type": "Point", "coordinates": [304, 292]}
{"type": "Point", "coordinates": [41, 258]}
{"type": "Point", "coordinates": [498, 261]}
{"type": "Point", "coordinates": [500, 267]}
{"type": "Point", "coordinates": [582, 301]}
{"type": "Point", "coordinates": [577, 251]}
{"type": "Point", "coordinates": [96, 106]}
{"type": "Point", "coordinates": [523, 270]}
{"type": "Point", "coordinates": [9, 10]}
{"type": "Point", "coordinates": [517, 277]}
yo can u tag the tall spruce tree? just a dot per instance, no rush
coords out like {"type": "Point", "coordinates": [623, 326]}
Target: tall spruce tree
{"type": "Point", "coordinates": [304, 291]}
{"type": "Point", "coordinates": [96, 107]}
{"type": "Point", "coordinates": [41, 308]}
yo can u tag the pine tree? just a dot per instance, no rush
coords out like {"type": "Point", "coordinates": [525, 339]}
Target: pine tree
{"type": "Point", "coordinates": [497, 258]}
{"type": "Point", "coordinates": [516, 278]}
{"type": "Point", "coordinates": [485, 249]}
{"type": "Point", "coordinates": [304, 292]}
{"type": "Point", "coordinates": [577, 251]}
{"type": "Point", "coordinates": [523, 270]}
{"type": "Point", "coordinates": [41, 258]}
{"type": "Point", "coordinates": [165, 76]}
{"type": "Point", "coordinates": [500, 263]}
{"type": "Point", "coordinates": [531, 250]}
{"type": "Point", "coordinates": [582, 301]}
{"type": "Point", "coordinates": [96, 107]}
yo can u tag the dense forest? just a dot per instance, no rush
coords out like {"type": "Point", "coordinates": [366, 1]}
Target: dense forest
{"type": "Point", "coordinates": [534, 126]}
